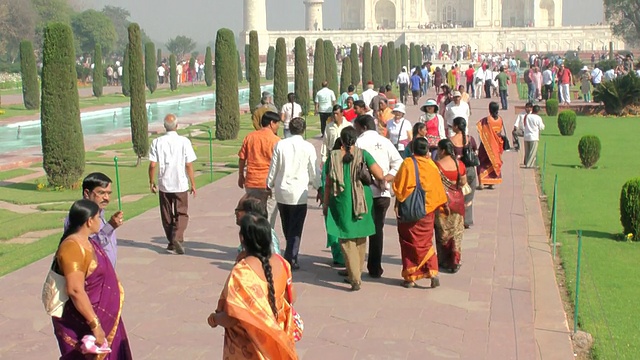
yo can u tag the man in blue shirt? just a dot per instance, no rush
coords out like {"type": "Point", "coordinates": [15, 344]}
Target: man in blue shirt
{"type": "Point", "coordinates": [416, 84]}
{"type": "Point", "coordinates": [425, 78]}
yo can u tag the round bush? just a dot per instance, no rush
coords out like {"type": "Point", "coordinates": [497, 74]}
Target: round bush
{"type": "Point", "coordinates": [589, 150]}
{"type": "Point", "coordinates": [552, 107]}
{"type": "Point", "coordinates": [630, 208]}
{"type": "Point", "coordinates": [567, 122]}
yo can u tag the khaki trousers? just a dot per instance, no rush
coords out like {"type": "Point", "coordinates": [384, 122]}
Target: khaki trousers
{"type": "Point", "coordinates": [530, 152]}
{"type": "Point", "coordinates": [174, 209]}
{"type": "Point", "coordinates": [354, 251]}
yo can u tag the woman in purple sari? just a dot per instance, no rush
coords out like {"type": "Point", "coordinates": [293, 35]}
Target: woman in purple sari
{"type": "Point", "coordinates": [95, 294]}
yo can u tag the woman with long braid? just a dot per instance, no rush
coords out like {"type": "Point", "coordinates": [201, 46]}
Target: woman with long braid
{"type": "Point", "coordinates": [254, 307]}
{"type": "Point", "coordinates": [461, 141]}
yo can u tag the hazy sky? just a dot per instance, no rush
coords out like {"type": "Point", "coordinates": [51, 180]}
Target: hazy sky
{"type": "Point", "coordinates": [200, 19]}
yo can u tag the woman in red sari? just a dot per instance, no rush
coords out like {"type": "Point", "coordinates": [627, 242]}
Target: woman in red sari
{"type": "Point", "coordinates": [491, 149]}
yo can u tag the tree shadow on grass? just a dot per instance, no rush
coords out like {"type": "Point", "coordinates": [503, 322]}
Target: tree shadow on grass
{"type": "Point", "coordinates": [594, 234]}
{"type": "Point", "coordinates": [24, 186]}
{"type": "Point", "coordinates": [570, 166]}
{"type": "Point", "coordinates": [545, 135]}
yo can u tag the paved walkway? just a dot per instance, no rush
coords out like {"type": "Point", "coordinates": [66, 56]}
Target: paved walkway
{"type": "Point", "coordinates": [503, 304]}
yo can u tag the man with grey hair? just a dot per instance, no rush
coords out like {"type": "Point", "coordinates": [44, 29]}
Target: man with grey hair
{"type": "Point", "coordinates": [173, 155]}
{"type": "Point", "coordinates": [266, 104]}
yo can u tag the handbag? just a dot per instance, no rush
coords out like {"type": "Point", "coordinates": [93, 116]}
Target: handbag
{"type": "Point", "coordinates": [466, 189]}
{"type": "Point", "coordinates": [506, 145]}
{"type": "Point", "coordinates": [469, 157]}
{"type": "Point", "coordinates": [413, 208]}
{"type": "Point", "coordinates": [54, 293]}
{"type": "Point", "coordinates": [364, 175]}
{"type": "Point", "coordinates": [297, 323]}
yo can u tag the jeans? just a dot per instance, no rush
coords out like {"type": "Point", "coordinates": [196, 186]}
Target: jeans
{"type": "Point", "coordinates": [546, 91]}
{"type": "Point", "coordinates": [503, 99]}
{"type": "Point", "coordinates": [531, 91]}
{"type": "Point", "coordinates": [292, 217]}
{"type": "Point", "coordinates": [487, 89]}
{"type": "Point", "coordinates": [374, 261]}
{"type": "Point", "coordinates": [470, 89]}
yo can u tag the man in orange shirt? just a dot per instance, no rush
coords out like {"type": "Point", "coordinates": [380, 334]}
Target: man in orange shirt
{"type": "Point", "coordinates": [255, 157]}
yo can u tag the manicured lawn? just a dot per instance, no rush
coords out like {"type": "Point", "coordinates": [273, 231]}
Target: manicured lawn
{"type": "Point", "coordinates": [10, 174]}
{"type": "Point", "coordinates": [588, 200]}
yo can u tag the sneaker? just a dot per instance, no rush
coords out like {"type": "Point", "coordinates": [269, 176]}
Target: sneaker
{"type": "Point", "coordinates": [178, 247]}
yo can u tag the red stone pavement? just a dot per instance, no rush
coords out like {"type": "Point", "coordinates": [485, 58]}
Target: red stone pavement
{"type": "Point", "coordinates": [503, 304]}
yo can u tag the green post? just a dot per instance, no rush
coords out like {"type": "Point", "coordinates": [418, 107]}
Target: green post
{"type": "Point", "coordinates": [577, 298]}
{"type": "Point", "coordinates": [210, 156]}
{"type": "Point", "coordinates": [544, 168]}
{"type": "Point", "coordinates": [553, 217]}
{"type": "Point", "coordinates": [115, 160]}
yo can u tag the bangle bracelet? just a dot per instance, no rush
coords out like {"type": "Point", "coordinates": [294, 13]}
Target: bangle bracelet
{"type": "Point", "coordinates": [93, 324]}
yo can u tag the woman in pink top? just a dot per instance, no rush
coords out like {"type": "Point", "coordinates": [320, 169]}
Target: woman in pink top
{"type": "Point", "coordinates": [536, 78]}
{"type": "Point", "coordinates": [434, 123]}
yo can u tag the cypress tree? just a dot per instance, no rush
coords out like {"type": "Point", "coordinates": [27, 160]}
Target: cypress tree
{"type": "Point", "coordinates": [376, 67]}
{"type": "Point", "coordinates": [208, 67]}
{"type": "Point", "coordinates": [126, 86]}
{"type": "Point", "coordinates": [412, 55]}
{"type": "Point", "coordinates": [280, 78]}
{"type": "Point", "coordinates": [246, 62]}
{"type": "Point", "coordinates": [417, 61]}
{"type": "Point", "coordinates": [240, 76]}
{"type": "Point", "coordinates": [393, 68]}
{"type": "Point", "coordinates": [62, 139]}
{"type": "Point", "coordinates": [29, 72]}
{"type": "Point", "coordinates": [150, 74]}
{"type": "Point", "coordinates": [271, 54]}
{"type": "Point", "coordinates": [159, 58]}
{"type": "Point", "coordinates": [385, 65]}
{"type": "Point", "coordinates": [355, 65]}
{"type": "Point", "coordinates": [255, 93]}
{"type": "Point", "coordinates": [98, 72]}
{"type": "Point", "coordinates": [331, 65]}
{"type": "Point", "coordinates": [366, 64]}
{"type": "Point", "coordinates": [227, 104]}
{"type": "Point", "coordinates": [138, 108]}
{"type": "Point", "coordinates": [192, 69]}
{"type": "Point", "coordinates": [173, 73]}
{"type": "Point", "coordinates": [404, 55]}
{"type": "Point", "coordinates": [345, 75]}
{"type": "Point", "coordinates": [319, 67]}
{"type": "Point", "coordinates": [302, 74]}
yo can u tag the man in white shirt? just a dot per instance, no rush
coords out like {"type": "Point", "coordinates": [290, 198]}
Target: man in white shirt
{"type": "Point", "coordinates": [609, 74]}
{"type": "Point", "coordinates": [488, 82]}
{"type": "Point", "coordinates": [517, 126]}
{"type": "Point", "coordinates": [596, 76]}
{"type": "Point", "coordinates": [478, 81]}
{"type": "Point", "coordinates": [531, 125]}
{"type": "Point", "coordinates": [368, 95]}
{"type": "Point", "coordinates": [325, 99]}
{"type": "Point", "coordinates": [388, 158]}
{"type": "Point", "coordinates": [332, 132]}
{"type": "Point", "coordinates": [161, 74]}
{"type": "Point", "coordinates": [173, 155]}
{"type": "Point", "coordinates": [292, 170]}
{"type": "Point", "coordinates": [403, 81]}
{"type": "Point", "coordinates": [456, 108]}
{"type": "Point", "coordinates": [547, 82]}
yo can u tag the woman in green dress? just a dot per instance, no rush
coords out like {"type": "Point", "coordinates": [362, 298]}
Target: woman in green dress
{"type": "Point", "coordinates": [347, 203]}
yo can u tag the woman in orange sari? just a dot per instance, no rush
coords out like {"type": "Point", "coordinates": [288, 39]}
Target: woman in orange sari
{"type": "Point", "coordinates": [419, 259]}
{"type": "Point", "coordinates": [491, 149]}
{"type": "Point", "coordinates": [254, 307]}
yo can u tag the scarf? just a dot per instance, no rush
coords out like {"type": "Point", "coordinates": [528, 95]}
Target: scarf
{"type": "Point", "coordinates": [336, 174]}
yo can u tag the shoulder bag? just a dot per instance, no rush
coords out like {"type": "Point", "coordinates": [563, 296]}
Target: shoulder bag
{"type": "Point", "coordinates": [506, 145]}
{"type": "Point", "coordinates": [469, 157]}
{"type": "Point", "coordinates": [54, 292]}
{"type": "Point", "coordinates": [297, 323]}
{"type": "Point", "coordinates": [413, 208]}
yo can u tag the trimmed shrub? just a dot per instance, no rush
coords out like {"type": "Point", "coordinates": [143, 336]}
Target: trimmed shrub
{"type": "Point", "coordinates": [367, 71]}
{"type": "Point", "coordinates": [567, 122]}
{"type": "Point", "coordinates": [398, 62]}
{"type": "Point", "coordinates": [280, 76]}
{"type": "Point", "coordinates": [158, 58]}
{"type": "Point", "coordinates": [255, 92]}
{"type": "Point", "coordinates": [192, 69]}
{"type": "Point", "coordinates": [404, 55]}
{"type": "Point", "coordinates": [246, 62]}
{"type": "Point", "coordinates": [29, 72]}
{"type": "Point", "coordinates": [173, 73]}
{"type": "Point", "coordinates": [412, 55]}
{"type": "Point", "coordinates": [227, 104]}
{"type": "Point", "coordinates": [606, 65]}
{"type": "Point", "coordinates": [630, 208]}
{"type": "Point", "coordinates": [98, 72]}
{"type": "Point", "coordinates": [376, 67]}
{"type": "Point", "coordinates": [331, 66]}
{"type": "Point", "coordinates": [391, 53]}
{"type": "Point", "coordinates": [385, 65]}
{"type": "Point", "coordinates": [574, 64]}
{"type": "Point", "coordinates": [150, 69]}
{"type": "Point", "coordinates": [271, 54]}
{"type": "Point", "coordinates": [589, 149]}
{"type": "Point", "coordinates": [62, 139]}
{"type": "Point", "coordinates": [302, 74]}
{"type": "Point", "coordinates": [126, 86]}
{"type": "Point", "coordinates": [345, 75]}
{"type": "Point", "coordinates": [138, 109]}
{"type": "Point", "coordinates": [552, 107]}
{"type": "Point", "coordinates": [240, 76]}
{"type": "Point", "coordinates": [355, 65]}
{"type": "Point", "coordinates": [208, 67]}
{"type": "Point", "coordinates": [319, 67]}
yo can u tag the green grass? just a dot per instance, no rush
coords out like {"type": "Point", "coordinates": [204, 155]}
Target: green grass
{"type": "Point", "coordinates": [10, 174]}
{"type": "Point", "coordinates": [588, 200]}
{"type": "Point", "coordinates": [14, 224]}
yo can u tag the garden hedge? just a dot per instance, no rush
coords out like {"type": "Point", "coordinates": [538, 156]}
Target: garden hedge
{"type": "Point", "coordinates": [208, 67]}
{"type": "Point", "coordinates": [385, 65]}
{"type": "Point", "coordinates": [552, 107]}
{"type": "Point", "coordinates": [138, 108]}
{"type": "Point", "coordinates": [97, 83]}
{"type": "Point", "coordinates": [376, 67]}
{"type": "Point", "coordinates": [630, 209]}
{"type": "Point", "coordinates": [355, 65]}
{"type": "Point", "coordinates": [367, 71]}
{"type": "Point", "coordinates": [345, 75]}
{"type": "Point", "coordinates": [269, 72]}
{"type": "Point", "coordinates": [173, 73]}
{"type": "Point", "coordinates": [567, 122]}
{"type": "Point", "coordinates": [393, 68]}
{"type": "Point", "coordinates": [331, 66]}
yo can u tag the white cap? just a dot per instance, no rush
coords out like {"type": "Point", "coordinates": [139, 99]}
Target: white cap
{"type": "Point", "coordinates": [400, 108]}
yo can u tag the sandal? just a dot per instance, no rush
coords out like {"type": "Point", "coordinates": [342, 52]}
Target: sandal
{"type": "Point", "coordinates": [435, 282]}
{"type": "Point", "coordinates": [408, 284]}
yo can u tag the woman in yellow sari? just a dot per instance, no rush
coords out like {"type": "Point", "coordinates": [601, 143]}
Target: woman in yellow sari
{"type": "Point", "coordinates": [254, 307]}
{"type": "Point", "coordinates": [491, 149]}
{"type": "Point", "coordinates": [384, 115]}
{"type": "Point", "coordinates": [419, 259]}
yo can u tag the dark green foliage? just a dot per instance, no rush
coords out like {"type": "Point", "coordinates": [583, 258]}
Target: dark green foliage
{"type": "Point", "coordinates": [280, 76]}
{"type": "Point", "coordinates": [391, 54]}
{"type": "Point", "coordinates": [150, 68]}
{"type": "Point", "coordinates": [62, 139]}
{"type": "Point", "coordinates": [208, 67]}
{"type": "Point", "coordinates": [398, 63]}
{"type": "Point", "coordinates": [620, 95]}
{"type": "Point", "coordinates": [240, 77]}
{"type": "Point", "coordinates": [173, 73]}
{"type": "Point", "coordinates": [159, 58]}
{"type": "Point", "coordinates": [589, 149]}
{"type": "Point", "coordinates": [367, 74]}
{"type": "Point", "coordinates": [138, 109]}
{"type": "Point", "coordinates": [29, 72]}
{"type": "Point", "coordinates": [567, 122]}
{"type": "Point", "coordinates": [385, 64]}
{"type": "Point", "coordinates": [630, 208]}
{"type": "Point", "coordinates": [227, 104]}
{"type": "Point", "coordinates": [98, 72]}
{"type": "Point", "coordinates": [126, 86]}
{"type": "Point", "coordinates": [345, 75]}
{"type": "Point", "coordinates": [552, 107]}
{"type": "Point", "coordinates": [404, 55]}
{"type": "Point", "coordinates": [605, 65]}
{"type": "Point", "coordinates": [575, 65]}
{"type": "Point", "coordinates": [192, 68]}
{"type": "Point", "coordinates": [246, 62]}
{"type": "Point", "coordinates": [331, 66]}
{"type": "Point", "coordinates": [376, 67]}
{"type": "Point", "coordinates": [271, 54]}
{"type": "Point", "coordinates": [254, 71]}
{"type": "Point", "coordinates": [412, 55]}
{"type": "Point", "coordinates": [355, 65]}
{"type": "Point", "coordinates": [319, 67]}
{"type": "Point", "coordinates": [302, 75]}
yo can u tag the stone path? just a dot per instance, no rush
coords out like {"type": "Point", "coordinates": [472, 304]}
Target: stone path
{"type": "Point", "coordinates": [503, 304]}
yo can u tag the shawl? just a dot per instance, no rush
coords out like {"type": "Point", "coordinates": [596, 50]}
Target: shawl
{"type": "Point", "coordinates": [336, 174]}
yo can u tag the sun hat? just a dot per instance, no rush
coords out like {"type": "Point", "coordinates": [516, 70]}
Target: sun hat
{"type": "Point", "coordinates": [430, 102]}
{"type": "Point", "coordinates": [456, 93]}
{"type": "Point", "coordinates": [585, 68]}
{"type": "Point", "coordinates": [400, 108]}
